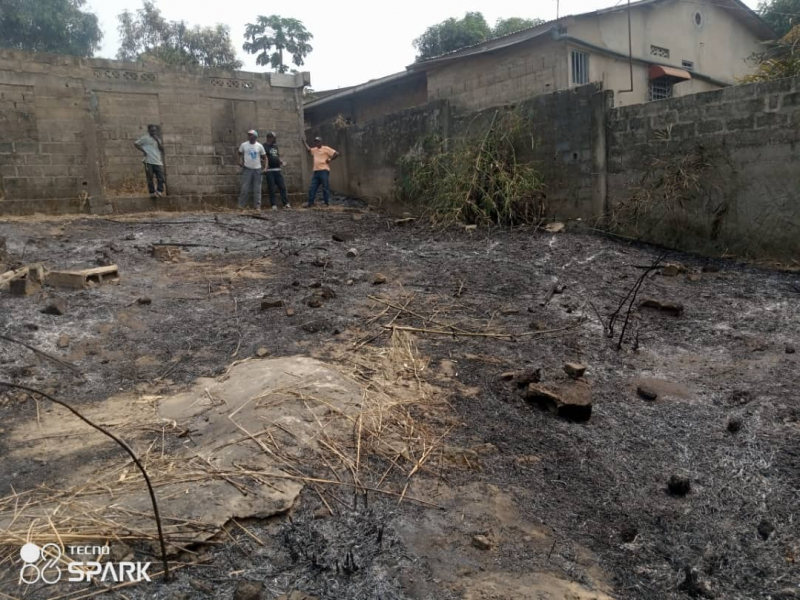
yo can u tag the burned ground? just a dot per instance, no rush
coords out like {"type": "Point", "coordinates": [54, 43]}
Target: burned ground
{"type": "Point", "coordinates": [576, 502]}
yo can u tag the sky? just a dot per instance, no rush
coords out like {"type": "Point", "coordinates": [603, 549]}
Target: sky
{"type": "Point", "coordinates": [354, 40]}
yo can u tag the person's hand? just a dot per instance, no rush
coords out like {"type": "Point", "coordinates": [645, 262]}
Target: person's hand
{"type": "Point", "coordinates": [328, 160]}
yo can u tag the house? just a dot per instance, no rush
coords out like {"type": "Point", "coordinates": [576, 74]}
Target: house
{"type": "Point", "coordinates": [647, 50]}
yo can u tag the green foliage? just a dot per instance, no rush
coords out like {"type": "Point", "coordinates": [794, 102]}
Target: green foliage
{"type": "Point", "coordinates": [453, 34]}
{"type": "Point", "coordinates": [475, 179]}
{"type": "Point", "coordinates": [268, 37]}
{"type": "Point", "coordinates": [513, 24]}
{"type": "Point", "coordinates": [781, 15]}
{"type": "Point", "coordinates": [147, 34]}
{"type": "Point", "coordinates": [781, 59]}
{"type": "Point", "coordinates": [58, 26]}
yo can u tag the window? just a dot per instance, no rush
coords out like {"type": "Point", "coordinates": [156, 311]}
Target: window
{"type": "Point", "coordinates": [688, 65]}
{"type": "Point", "coordinates": [580, 68]}
{"type": "Point", "coordinates": [659, 51]}
{"type": "Point", "coordinates": [660, 88]}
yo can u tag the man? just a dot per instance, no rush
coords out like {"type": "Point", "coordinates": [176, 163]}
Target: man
{"type": "Point", "coordinates": [274, 173]}
{"type": "Point", "coordinates": [323, 157]}
{"type": "Point", "coordinates": [252, 160]}
{"type": "Point", "coordinates": [151, 146]}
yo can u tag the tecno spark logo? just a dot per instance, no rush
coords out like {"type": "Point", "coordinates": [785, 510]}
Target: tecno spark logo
{"type": "Point", "coordinates": [40, 564]}
{"type": "Point", "coordinates": [45, 564]}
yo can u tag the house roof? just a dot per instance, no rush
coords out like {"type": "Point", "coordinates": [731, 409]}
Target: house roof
{"type": "Point", "coordinates": [740, 11]}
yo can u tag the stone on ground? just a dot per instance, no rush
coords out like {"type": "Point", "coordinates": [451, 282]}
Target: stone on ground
{"type": "Point", "coordinates": [571, 401]}
{"type": "Point", "coordinates": [575, 370]}
{"type": "Point", "coordinates": [248, 590]}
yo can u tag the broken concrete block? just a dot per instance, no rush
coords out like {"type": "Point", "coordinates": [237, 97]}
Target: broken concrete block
{"type": "Point", "coordinates": [268, 303]}
{"type": "Point", "coordinates": [78, 280]}
{"type": "Point", "coordinates": [57, 307]}
{"type": "Point", "coordinates": [356, 217]}
{"type": "Point", "coordinates": [289, 312]}
{"type": "Point", "coordinates": [352, 253]}
{"type": "Point", "coordinates": [527, 376]}
{"type": "Point", "coordinates": [379, 279]}
{"type": "Point", "coordinates": [24, 287]}
{"type": "Point", "coordinates": [575, 370]}
{"type": "Point", "coordinates": [63, 341]}
{"type": "Point", "coordinates": [571, 401]}
{"type": "Point", "coordinates": [262, 352]}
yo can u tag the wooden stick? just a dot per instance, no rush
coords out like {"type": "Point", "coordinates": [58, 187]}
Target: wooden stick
{"type": "Point", "coordinates": [43, 354]}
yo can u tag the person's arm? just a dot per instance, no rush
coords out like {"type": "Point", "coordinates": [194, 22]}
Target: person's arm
{"type": "Point", "coordinates": [305, 143]}
{"type": "Point", "coordinates": [240, 158]}
{"type": "Point", "coordinates": [160, 144]}
{"type": "Point", "coordinates": [334, 157]}
{"type": "Point", "coordinates": [138, 145]}
{"type": "Point", "coordinates": [263, 159]}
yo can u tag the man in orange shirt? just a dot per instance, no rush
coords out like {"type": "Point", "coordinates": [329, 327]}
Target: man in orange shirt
{"type": "Point", "coordinates": [323, 156]}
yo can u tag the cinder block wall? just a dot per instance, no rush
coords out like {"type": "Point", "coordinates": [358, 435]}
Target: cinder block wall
{"type": "Point", "coordinates": [67, 127]}
{"type": "Point", "coordinates": [513, 75]}
{"type": "Point", "coordinates": [712, 172]}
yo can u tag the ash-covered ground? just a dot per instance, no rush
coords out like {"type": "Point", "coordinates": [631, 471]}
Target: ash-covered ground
{"type": "Point", "coordinates": [558, 501]}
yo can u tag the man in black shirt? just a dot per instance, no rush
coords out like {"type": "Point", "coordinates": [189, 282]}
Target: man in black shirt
{"type": "Point", "coordinates": [274, 173]}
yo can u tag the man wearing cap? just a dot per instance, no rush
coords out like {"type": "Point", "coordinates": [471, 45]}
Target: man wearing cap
{"type": "Point", "coordinates": [323, 156]}
{"type": "Point", "coordinates": [252, 159]}
{"type": "Point", "coordinates": [151, 146]}
{"type": "Point", "coordinates": [274, 173]}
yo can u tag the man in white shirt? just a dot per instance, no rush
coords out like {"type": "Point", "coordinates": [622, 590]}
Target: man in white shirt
{"type": "Point", "coordinates": [252, 159]}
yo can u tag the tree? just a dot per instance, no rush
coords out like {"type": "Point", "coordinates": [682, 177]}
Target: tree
{"type": "Point", "coordinates": [280, 34]}
{"type": "Point", "coordinates": [513, 24]}
{"type": "Point", "coordinates": [147, 34]}
{"type": "Point", "coordinates": [58, 26]}
{"type": "Point", "coordinates": [781, 15]}
{"type": "Point", "coordinates": [781, 59]}
{"type": "Point", "coordinates": [452, 34]}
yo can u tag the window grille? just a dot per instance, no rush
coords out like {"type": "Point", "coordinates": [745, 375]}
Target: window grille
{"type": "Point", "coordinates": [580, 68]}
{"type": "Point", "coordinates": [688, 65]}
{"type": "Point", "coordinates": [660, 89]}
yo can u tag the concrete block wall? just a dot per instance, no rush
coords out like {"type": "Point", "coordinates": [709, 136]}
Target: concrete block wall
{"type": "Point", "coordinates": [737, 151]}
{"type": "Point", "coordinates": [506, 77]}
{"type": "Point", "coordinates": [67, 127]}
{"type": "Point", "coordinates": [567, 146]}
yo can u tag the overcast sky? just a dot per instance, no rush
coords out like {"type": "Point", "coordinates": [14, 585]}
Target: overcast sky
{"type": "Point", "coordinates": [354, 40]}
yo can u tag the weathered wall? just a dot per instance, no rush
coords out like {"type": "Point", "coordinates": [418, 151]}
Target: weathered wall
{"type": "Point", "coordinates": [370, 150]}
{"type": "Point", "coordinates": [358, 106]}
{"type": "Point", "coordinates": [501, 77]}
{"type": "Point", "coordinates": [67, 127]}
{"type": "Point", "coordinates": [567, 144]}
{"type": "Point", "coordinates": [718, 171]}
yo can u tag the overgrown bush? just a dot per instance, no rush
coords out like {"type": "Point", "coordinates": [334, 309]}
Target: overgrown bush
{"type": "Point", "coordinates": [476, 178]}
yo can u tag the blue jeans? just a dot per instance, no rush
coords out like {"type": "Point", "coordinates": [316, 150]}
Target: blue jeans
{"type": "Point", "coordinates": [320, 178]}
{"type": "Point", "coordinates": [275, 180]}
{"type": "Point", "coordinates": [251, 186]}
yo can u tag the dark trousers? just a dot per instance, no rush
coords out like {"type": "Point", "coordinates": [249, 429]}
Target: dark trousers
{"type": "Point", "coordinates": [275, 179]}
{"type": "Point", "coordinates": [320, 178]}
{"type": "Point", "coordinates": [157, 171]}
